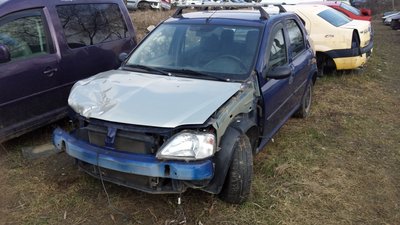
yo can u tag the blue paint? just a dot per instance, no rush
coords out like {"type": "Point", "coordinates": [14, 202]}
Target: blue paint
{"type": "Point", "coordinates": [140, 164]}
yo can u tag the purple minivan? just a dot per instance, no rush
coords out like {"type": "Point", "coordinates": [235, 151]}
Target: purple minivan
{"type": "Point", "coordinates": [46, 46]}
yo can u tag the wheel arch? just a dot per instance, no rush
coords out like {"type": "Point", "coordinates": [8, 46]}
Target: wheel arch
{"type": "Point", "coordinates": [241, 125]}
{"type": "Point", "coordinates": [324, 58]}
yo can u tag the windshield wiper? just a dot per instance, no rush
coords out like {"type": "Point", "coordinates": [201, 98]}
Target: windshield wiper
{"type": "Point", "coordinates": [147, 68]}
{"type": "Point", "coordinates": [197, 73]}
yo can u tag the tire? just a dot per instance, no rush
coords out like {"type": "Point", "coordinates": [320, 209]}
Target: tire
{"type": "Point", "coordinates": [306, 100]}
{"type": "Point", "coordinates": [144, 6]}
{"type": "Point", "coordinates": [325, 65]}
{"type": "Point", "coordinates": [237, 183]}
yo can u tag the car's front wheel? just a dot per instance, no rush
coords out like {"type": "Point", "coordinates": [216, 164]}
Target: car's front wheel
{"type": "Point", "coordinates": [237, 184]}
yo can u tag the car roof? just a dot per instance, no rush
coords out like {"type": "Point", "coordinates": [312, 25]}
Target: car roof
{"type": "Point", "coordinates": [251, 17]}
{"type": "Point", "coordinates": [336, 3]}
{"type": "Point", "coordinates": [307, 8]}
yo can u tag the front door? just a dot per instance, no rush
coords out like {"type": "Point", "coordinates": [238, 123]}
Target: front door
{"type": "Point", "coordinates": [276, 92]}
{"type": "Point", "coordinates": [28, 81]}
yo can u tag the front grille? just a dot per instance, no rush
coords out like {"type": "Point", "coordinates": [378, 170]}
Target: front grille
{"type": "Point", "coordinates": [139, 182]}
{"type": "Point", "coordinates": [123, 141]}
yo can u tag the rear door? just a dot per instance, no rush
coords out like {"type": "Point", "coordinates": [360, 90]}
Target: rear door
{"type": "Point", "coordinates": [93, 34]}
{"type": "Point", "coordinates": [300, 59]}
{"type": "Point", "coordinates": [28, 81]}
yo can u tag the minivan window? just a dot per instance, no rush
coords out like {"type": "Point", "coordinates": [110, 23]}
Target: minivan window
{"type": "Point", "coordinates": [334, 17]}
{"type": "Point", "coordinates": [23, 33]}
{"type": "Point", "coordinates": [90, 24]}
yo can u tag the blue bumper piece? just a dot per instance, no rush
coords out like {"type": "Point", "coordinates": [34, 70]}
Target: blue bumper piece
{"type": "Point", "coordinates": [139, 164]}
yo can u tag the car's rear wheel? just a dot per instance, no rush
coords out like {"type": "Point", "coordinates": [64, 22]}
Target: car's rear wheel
{"type": "Point", "coordinates": [305, 106]}
{"type": "Point", "coordinates": [237, 184]}
{"type": "Point", "coordinates": [144, 6]}
{"type": "Point", "coordinates": [325, 64]}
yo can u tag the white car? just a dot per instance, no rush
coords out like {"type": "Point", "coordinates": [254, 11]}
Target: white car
{"type": "Point", "coordinates": [147, 4]}
{"type": "Point", "coordinates": [388, 19]}
{"type": "Point", "coordinates": [194, 2]}
{"type": "Point", "coordinates": [291, 2]}
{"type": "Point", "coordinates": [340, 42]}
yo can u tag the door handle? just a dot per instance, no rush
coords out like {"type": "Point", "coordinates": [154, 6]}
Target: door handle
{"type": "Point", "coordinates": [292, 74]}
{"type": "Point", "coordinates": [50, 71]}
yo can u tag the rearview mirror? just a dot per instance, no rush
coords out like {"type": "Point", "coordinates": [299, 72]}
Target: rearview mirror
{"type": "Point", "coordinates": [4, 54]}
{"type": "Point", "coordinates": [279, 72]}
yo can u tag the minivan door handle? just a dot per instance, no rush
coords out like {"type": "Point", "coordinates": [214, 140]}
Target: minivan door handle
{"type": "Point", "coordinates": [50, 71]}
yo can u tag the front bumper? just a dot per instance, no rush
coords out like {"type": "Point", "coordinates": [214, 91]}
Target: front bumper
{"type": "Point", "coordinates": [131, 163]}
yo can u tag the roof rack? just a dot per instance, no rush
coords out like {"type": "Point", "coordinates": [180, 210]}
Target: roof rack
{"type": "Point", "coordinates": [219, 6]}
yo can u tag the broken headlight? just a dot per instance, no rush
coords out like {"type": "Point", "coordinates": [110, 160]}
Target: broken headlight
{"type": "Point", "coordinates": [188, 146]}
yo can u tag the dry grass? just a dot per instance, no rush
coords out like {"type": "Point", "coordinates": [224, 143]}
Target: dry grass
{"type": "Point", "coordinates": [339, 166]}
{"type": "Point", "coordinates": [142, 20]}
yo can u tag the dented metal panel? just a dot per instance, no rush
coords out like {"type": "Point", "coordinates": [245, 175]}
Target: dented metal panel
{"type": "Point", "coordinates": [148, 99]}
{"type": "Point", "coordinates": [243, 102]}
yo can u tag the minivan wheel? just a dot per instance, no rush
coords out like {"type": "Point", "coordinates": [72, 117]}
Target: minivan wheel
{"type": "Point", "coordinates": [237, 184]}
{"type": "Point", "coordinates": [305, 106]}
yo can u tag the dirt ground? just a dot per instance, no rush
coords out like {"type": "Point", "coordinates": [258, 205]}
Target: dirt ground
{"type": "Point", "coordinates": [339, 166]}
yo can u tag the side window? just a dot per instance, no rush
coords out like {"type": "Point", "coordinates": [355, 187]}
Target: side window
{"type": "Point", "coordinates": [23, 33]}
{"type": "Point", "coordinates": [296, 37]}
{"type": "Point", "coordinates": [90, 24]}
{"type": "Point", "coordinates": [278, 56]}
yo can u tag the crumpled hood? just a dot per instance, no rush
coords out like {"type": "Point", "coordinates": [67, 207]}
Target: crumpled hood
{"type": "Point", "coordinates": [149, 100]}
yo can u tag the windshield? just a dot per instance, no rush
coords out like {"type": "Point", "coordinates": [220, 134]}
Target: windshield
{"type": "Point", "coordinates": [199, 50]}
{"type": "Point", "coordinates": [334, 17]}
{"type": "Point", "coordinates": [350, 8]}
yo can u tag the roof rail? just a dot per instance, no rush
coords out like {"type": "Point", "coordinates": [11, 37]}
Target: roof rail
{"type": "Point", "coordinates": [218, 6]}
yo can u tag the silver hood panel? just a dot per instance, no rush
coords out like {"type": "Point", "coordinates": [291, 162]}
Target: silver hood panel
{"type": "Point", "coordinates": [149, 100]}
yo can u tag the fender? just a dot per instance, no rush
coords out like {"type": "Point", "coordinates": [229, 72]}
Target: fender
{"type": "Point", "coordinates": [223, 158]}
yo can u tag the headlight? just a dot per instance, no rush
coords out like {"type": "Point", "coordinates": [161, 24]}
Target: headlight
{"type": "Point", "coordinates": [188, 146]}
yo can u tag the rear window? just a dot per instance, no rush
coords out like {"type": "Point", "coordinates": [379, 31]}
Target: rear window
{"type": "Point", "coordinates": [334, 17]}
{"type": "Point", "coordinates": [90, 24]}
{"type": "Point", "coordinates": [350, 8]}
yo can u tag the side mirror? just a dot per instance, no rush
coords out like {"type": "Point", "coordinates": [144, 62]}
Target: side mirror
{"type": "Point", "coordinates": [122, 56]}
{"type": "Point", "coordinates": [279, 72]}
{"type": "Point", "coordinates": [4, 54]}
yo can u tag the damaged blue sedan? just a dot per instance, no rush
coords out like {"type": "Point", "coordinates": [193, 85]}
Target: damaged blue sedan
{"type": "Point", "coordinates": [192, 104]}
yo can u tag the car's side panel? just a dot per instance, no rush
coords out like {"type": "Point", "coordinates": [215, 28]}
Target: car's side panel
{"type": "Point", "coordinates": [36, 88]}
{"type": "Point", "coordinates": [276, 93]}
{"type": "Point", "coordinates": [28, 83]}
{"type": "Point", "coordinates": [93, 58]}
{"type": "Point", "coordinates": [301, 62]}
